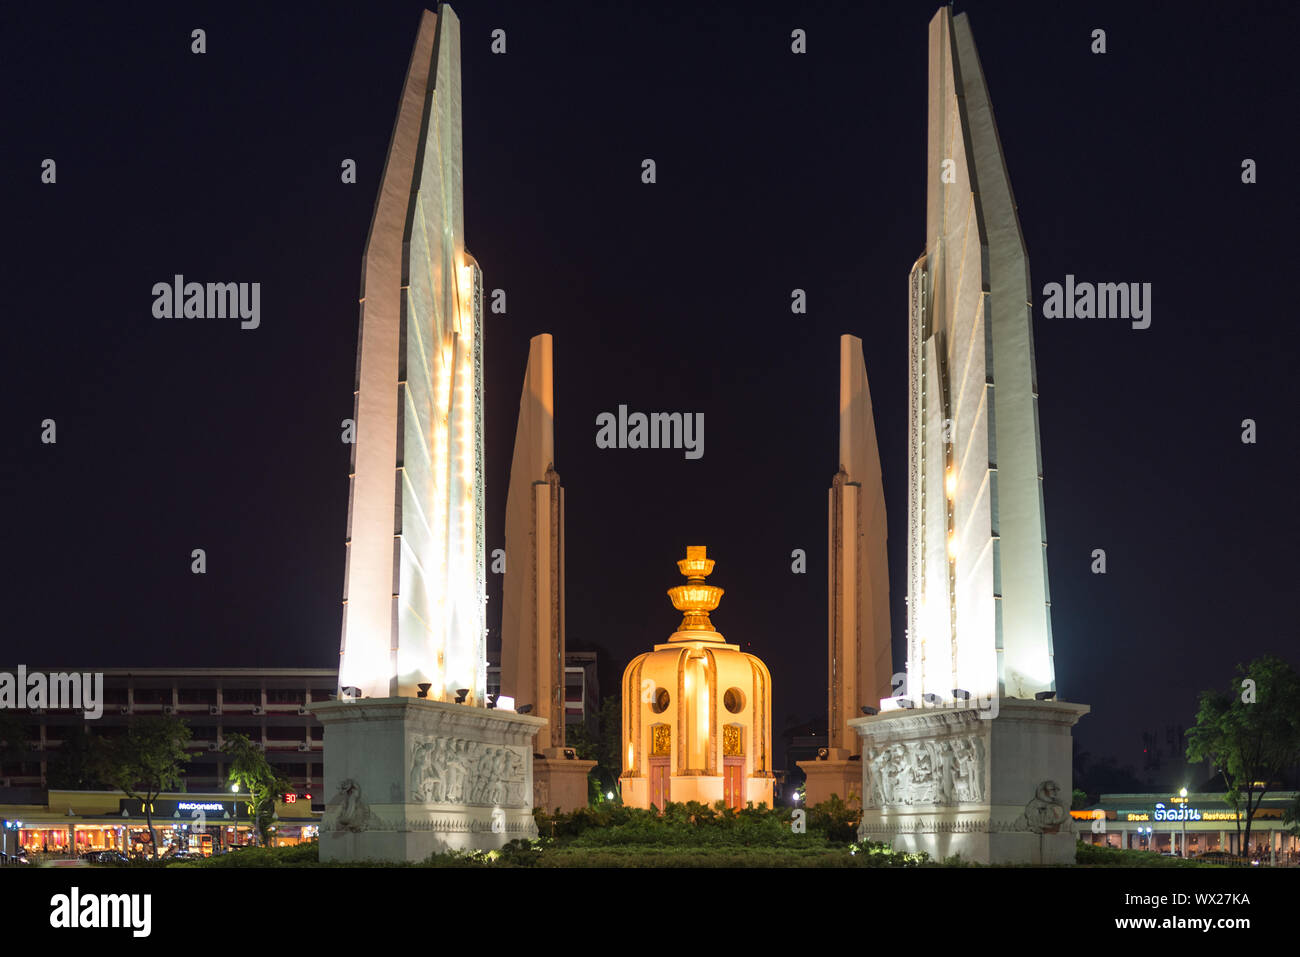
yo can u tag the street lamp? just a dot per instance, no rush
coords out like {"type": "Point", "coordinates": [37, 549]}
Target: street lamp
{"type": "Point", "coordinates": [1182, 793]}
{"type": "Point", "coordinates": [235, 837]}
{"type": "Point", "coordinates": [10, 826]}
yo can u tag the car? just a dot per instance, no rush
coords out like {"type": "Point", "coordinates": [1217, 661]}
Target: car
{"type": "Point", "coordinates": [105, 857]}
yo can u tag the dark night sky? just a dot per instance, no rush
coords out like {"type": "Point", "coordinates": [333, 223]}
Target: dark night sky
{"type": "Point", "coordinates": [775, 171]}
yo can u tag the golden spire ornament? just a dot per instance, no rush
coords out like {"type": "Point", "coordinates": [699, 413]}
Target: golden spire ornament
{"type": "Point", "coordinates": [695, 599]}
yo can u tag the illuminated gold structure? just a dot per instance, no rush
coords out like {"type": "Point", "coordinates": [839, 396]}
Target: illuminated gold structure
{"type": "Point", "coordinates": [697, 711]}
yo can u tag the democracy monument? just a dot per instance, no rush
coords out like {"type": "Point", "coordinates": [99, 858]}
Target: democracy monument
{"type": "Point", "coordinates": [970, 756]}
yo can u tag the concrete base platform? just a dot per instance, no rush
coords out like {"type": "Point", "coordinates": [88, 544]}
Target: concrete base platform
{"type": "Point", "coordinates": [826, 777]}
{"type": "Point", "coordinates": [408, 778]}
{"type": "Point", "coordinates": [991, 785]}
{"type": "Point", "coordinates": [560, 784]}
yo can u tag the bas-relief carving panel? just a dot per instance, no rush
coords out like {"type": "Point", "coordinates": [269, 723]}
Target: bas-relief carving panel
{"type": "Point", "coordinates": [460, 771]}
{"type": "Point", "coordinates": [944, 771]}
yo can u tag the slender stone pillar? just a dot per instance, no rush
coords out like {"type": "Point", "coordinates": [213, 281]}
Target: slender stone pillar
{"type": "Point", "coordinates": [532, 626]}
{"type": "Point", "coordinates": [858, 645]}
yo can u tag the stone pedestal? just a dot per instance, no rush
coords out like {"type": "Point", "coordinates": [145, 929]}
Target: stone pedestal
{"type": "Point", "coordinates": [835, 774]}
{"type": "Point", "coordinates": [992, 785]}
{"type": "Point", "coordinates": [408, 777]}
{"type": "Point", "coordinates": [560, 783]}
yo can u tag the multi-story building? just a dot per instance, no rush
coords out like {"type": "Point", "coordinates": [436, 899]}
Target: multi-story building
{"type": "Point", "coordinates": [268, 705]}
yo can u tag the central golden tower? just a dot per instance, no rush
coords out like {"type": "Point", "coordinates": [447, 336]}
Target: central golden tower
{"type": "Point", "coordinates": [697, 711]}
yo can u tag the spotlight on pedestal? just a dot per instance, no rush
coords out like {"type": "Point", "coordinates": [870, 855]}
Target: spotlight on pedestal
{"type": "Point", "coordinates": [571, 754]}
{"type": "Point", "coordinates": [961, 694]}
{"type": "Point", "coordinates": [822, 754]}
{"type": "Point", "coordinates": [905, 703]}
{"type": "Point", "coordinates": [350, 693]}
{"type": "Point", "coordinates": [867, 709]}
{"type": "Point", "coordinates": [1045, 696]}
{"type": "Point", "coordinates": [461, 695]}
{"type": "Point", "coordinates": [525, 709]}
{"type": "Point", "coordinates": [424, 687]}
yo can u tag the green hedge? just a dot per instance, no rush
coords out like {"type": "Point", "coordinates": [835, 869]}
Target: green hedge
{"type": "Point", "coordinates": [1090, 855]}
{"type": "Point", "coordinates": [692, 824]}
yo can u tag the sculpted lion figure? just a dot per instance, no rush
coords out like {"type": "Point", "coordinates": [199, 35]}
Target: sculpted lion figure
{"type": "Point", "coordinates": [352, 814]}
{"type": "Point", "coordinates": [1045, 814]}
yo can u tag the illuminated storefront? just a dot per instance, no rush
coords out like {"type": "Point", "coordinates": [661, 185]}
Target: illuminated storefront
{"type": "Point", "coordinates": [74, 822]}
{"type": "Point", "coordinates": [1190, 825]}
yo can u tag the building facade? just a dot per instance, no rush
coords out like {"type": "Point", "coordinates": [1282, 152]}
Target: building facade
{"type": "Point", "coordinates": [269, 706]}
{"type": "Point", "coordinates": [69, 823]}
{"type": "Point", "coordinates": [1190, 826]}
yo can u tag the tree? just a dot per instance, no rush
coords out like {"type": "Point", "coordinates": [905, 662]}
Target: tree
{"type": "Point", "coordinates": [146, 761]}
{"type": "Point", "coordinates": [1251, 733]}
{"type": "Point", "coordinates": [250, 770]}
{"type": "Point", "coordinates": [586, 746]}
{"type": "Point", "coordinates": [609, 753]}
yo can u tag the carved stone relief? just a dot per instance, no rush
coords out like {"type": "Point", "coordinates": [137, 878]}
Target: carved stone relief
{"type": "Point", "coordinates": [459, 771]}
{"type": "Point", "coordinates": [943, 771]}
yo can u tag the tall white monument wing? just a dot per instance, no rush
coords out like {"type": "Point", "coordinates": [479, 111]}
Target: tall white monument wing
{"type": "Point", "coordinates": [414, 591]}
{"type": "Point", "coordinates": [978, 605]}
